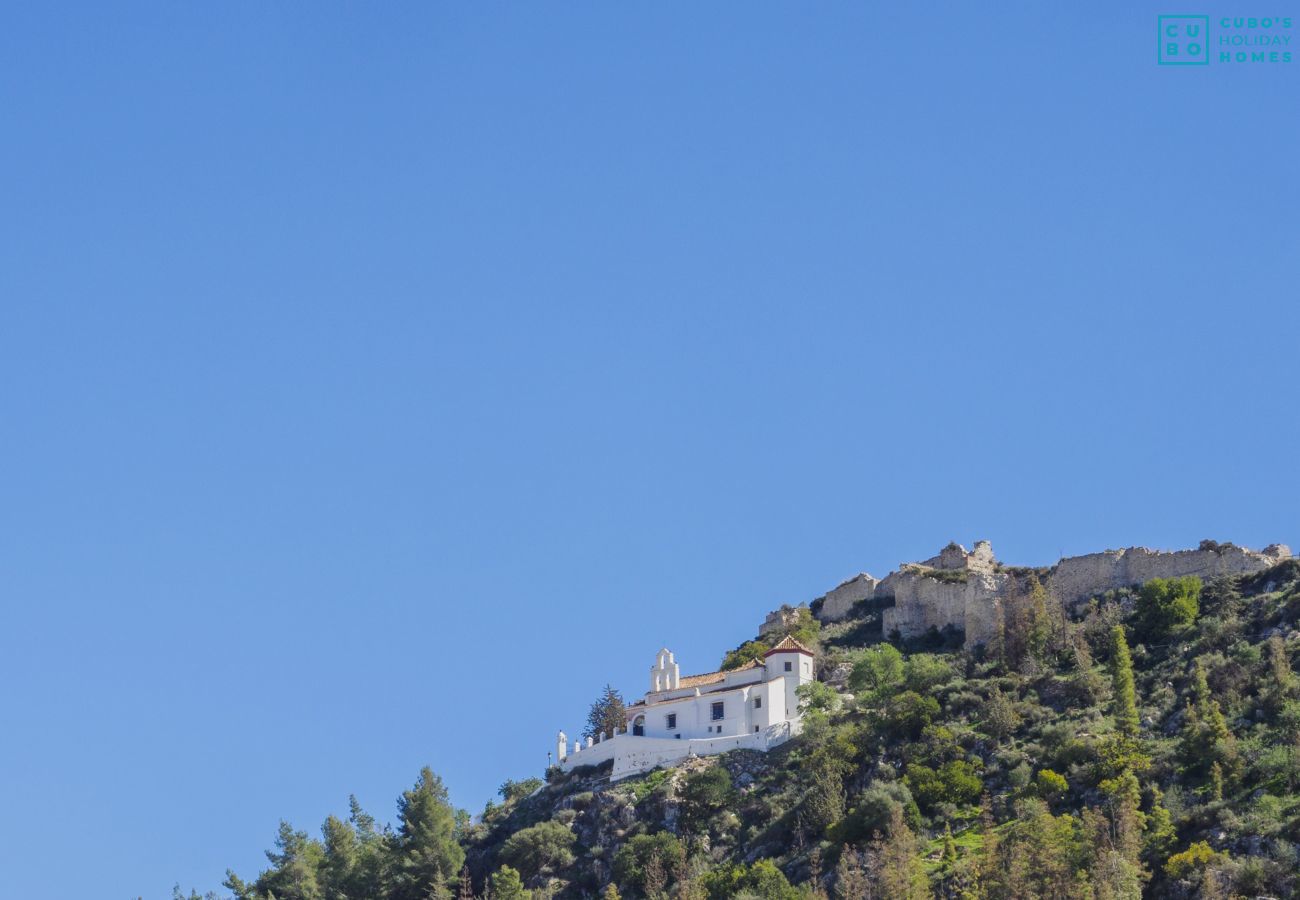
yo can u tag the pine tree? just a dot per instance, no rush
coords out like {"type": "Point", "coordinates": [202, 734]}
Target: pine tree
{"type": "Point", "coordinates": [1282, 680]}
{"type": "Point", "coordinates": [608, 715]}
{"type": "Point", "coordinates": [505, 884]}
{"type": "Point", "coordinates": [1159, 837]}
{"type": "Point", "coordinates": [949, 847]}
{"type": "Point", "coordinates": [851, 875]}
{"type": "Point", "coordinates": [1121, 674]}
{"type": "Point", "coordinates": [428, 855]}
{"type": "Point", "coordinates": [901, 873]}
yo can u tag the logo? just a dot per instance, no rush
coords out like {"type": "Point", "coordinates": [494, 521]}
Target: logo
{"type": "Point", "coordinates": [1187, 41]}
{"type": "Point", "coordinates": [1184, 40]}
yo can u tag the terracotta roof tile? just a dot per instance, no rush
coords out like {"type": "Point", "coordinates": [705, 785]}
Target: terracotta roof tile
{"type": "Point", "coordinates": [713, 677]}
{"type": "Point", "coordinates": [788, 644]}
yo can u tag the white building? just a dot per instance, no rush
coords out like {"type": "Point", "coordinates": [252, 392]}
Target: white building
{"type": "Point", "coordinates": [752, 707]}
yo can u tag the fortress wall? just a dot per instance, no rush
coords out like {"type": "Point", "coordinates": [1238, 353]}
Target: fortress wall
{"type": "Point", "coordinates": [838, 602]}
{"type": "Point", "coordinates": [922, 602]}
{"type": "Point", "coordinates": [1078, 578]}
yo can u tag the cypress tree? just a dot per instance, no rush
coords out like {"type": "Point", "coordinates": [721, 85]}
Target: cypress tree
{"type": "Point", "coordinates": [1121, 675]}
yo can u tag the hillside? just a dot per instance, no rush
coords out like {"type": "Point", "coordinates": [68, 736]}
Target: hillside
{"type": "Point", "coordinates": [1143, 743]}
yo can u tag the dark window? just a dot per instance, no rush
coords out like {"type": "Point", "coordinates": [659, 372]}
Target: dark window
{"type": "Point", "coordinates": [755, 729]}
{"type": "Point", "coordinates": [678, 736]}
{"type": "Point", "coordinates": [758, 703]}
{"type": "Point", "coordinates": [672, 720]}
{"type": "Point", "coordinates": [717, 711]}
{"type": "Point", "coordinates": [789, 667]}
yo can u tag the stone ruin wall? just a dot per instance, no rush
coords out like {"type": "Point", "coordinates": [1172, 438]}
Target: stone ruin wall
{"type": "Point", "coordinates": [1077, 578]}
{"type": "Point", "coordinates": [971, 600]}
{"type": "Point", "coordinates": [838, 602]}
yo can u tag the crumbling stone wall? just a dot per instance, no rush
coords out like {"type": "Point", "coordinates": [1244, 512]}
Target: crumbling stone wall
{"type": "Point", "coordinates": [1076, 578]}
{"type": "Point", "coordinates": [967, 589]}
{"type": "Point", "coordinates": [837, 602]}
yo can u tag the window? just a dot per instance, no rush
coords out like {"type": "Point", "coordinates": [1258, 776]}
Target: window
{"type": "Point", "coordinates": [789, 666]}
{"type": "Point", "coordinates": [717, 711]}
{"type": "Point", "coordinates": [758, 703]}
{"type": "Point", "coordinates": [755, 729]}
{"type": "Point", "coordinates": [672, 721]}
{"type": "Point", "coordinates": [678, 736]}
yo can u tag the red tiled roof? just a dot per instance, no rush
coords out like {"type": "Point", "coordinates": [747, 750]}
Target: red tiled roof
{"type": "Point", "coordinates": [788, 644]}
{"type": "Point", "coordinates": [713, 677]}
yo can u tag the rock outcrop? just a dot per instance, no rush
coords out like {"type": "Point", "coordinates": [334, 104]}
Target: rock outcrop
{"type": "Point", "coordinates": [966, 590]}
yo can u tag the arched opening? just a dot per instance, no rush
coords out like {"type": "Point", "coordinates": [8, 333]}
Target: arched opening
{"type": "Point", "coordinates": [638, 726]}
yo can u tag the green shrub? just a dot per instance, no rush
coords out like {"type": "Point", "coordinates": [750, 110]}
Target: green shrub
{"type": "Point", "coordinates": [1050, 785]}
{"type": "Point", "coordinates": [878, 673]}
{"type": "Point", "coordinates": [1166, 604]}
{"type": "Point", "coordinates": [870, 812]}
{"type": "Point", "coordinates": [908, 714]}
{"type": "Point", "coordinates": [659, 855]}
{"type": "Point", "coordinates": [954, 782]}
{"type": "Point", "coordinates": [545, 847]}
{"type": "Point", "coordinates": [1199, 855]}
{"type": "Point", "coordinates": [923, 672]}
{"type": "Point", "coordinates": [762, 880]}
{"type": "Point", "coordinates": [704, 794]}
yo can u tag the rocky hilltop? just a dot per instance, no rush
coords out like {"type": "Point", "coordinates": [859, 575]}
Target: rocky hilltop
{"type": "Point", "coordinates": [965, 590]}
{"type": "Point", "coordinates": [1133, 731]}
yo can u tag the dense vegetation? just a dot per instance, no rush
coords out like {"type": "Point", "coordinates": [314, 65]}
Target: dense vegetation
{"type": "Point", "coordinates": [1147, 745]}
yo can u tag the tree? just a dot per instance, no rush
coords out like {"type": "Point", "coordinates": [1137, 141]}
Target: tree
{"type": "Point", "coordinates": [954, 782]}
{"type": "Point", "coordinates": [505, 884]}
{"type": "Point", "coordinates": [1115, 839]}
{"type": "Point", "coordinates": [1000, 716]}
{"type": "Point", "coordinates": [1027, 625]}
{"type": "Point", "coordinates": [295, 869]}
{"type": "Point", "coordinates": [1121, 676]}
{"type": "Point", "coordinates": [341, 853]}
{"type": "Point", "coordinates": [647, 862]}
{"type": "Point", "coordinates": [512, 791]}
{"type": "Point", "coordinates": [922, 672]}
{"type": "Point", "coordinates": [545, 847]}
{"type": "Point", "coordinates": [1206, 740]}
{"type": "Point", "coordinates": [746, 653]}
{"type": "Point", "coordinates": [908, 714]}
{"type": "Point", "coordinates": [427, 853]}
{"type": "Point", "coordinates": [949, 855]}
{"type": "Point", "coordinates": [899, 870]}
{"type": "Point", "coordinates": [877, 673]}
{"type": "Point", "coordinates": [1160, 834]}
{"type": "Point", "coordinates": [703, 794]}
{"type": "Point", "coordinates": [608, 715]}
{"type": "Point", "coordinates": [817, 696]}
{"type": "Point", "coordinates": [1282, 681]}
{"type": "Point", "coordinates": [851, 875]}
{"type": "Point", "coordinates": [760, 881]}
{"type": "Point", "coordinates": [610, 893]}
{"type": "Point", "coordinates": [1042, 854]}
{"type": "Point", "coordinates": [1166, 604]}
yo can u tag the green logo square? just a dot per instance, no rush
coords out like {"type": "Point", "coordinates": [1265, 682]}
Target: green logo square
{"type": "Point", "coordinates": [1183, 40]}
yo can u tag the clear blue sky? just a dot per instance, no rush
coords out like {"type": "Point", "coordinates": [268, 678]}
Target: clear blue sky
{"type": "Point", "coordinates": [378, 382]}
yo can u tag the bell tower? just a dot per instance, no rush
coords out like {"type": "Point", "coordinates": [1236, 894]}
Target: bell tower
{"type": "Point", "coordinates": [665, 675]}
